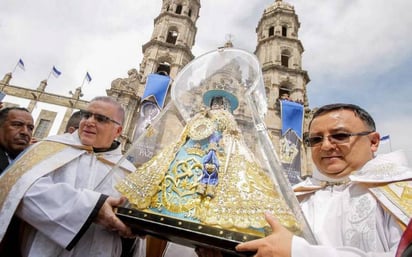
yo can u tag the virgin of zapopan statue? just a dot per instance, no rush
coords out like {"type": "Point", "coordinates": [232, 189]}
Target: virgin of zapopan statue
{"type": "Point", "coordinates": [216, 172]}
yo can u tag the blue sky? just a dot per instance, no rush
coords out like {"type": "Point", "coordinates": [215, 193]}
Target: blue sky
{"type": "Point", "coordinates": [356, 51]}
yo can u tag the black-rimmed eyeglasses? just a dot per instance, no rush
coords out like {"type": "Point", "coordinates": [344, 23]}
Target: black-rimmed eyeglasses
{"type": "Point", "coordinates": [337, 138]}
{"type": "Point", "coordinates": [98, 117]}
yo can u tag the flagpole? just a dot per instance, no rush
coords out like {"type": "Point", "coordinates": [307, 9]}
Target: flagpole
{"type": "Point", "coordinates": [49, 75]}
{"type": "Point", "coordinates": [84, 79]}
{"type": "Point", "coordinates": [15, 66]}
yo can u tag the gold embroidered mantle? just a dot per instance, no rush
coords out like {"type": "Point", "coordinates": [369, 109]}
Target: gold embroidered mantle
{"type": "Point", "coordinates": [167, 184]}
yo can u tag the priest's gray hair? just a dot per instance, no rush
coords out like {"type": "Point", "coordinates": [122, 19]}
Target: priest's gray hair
{"type": "Point", "coordinates": [112, 101]}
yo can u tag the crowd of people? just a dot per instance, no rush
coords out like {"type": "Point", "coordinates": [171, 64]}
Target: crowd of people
{"type": "Point", "coordinates": [52, 202]}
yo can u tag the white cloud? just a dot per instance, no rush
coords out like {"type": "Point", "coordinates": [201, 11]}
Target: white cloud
{"type": "Point", "coordinates": [346, 37]}
{"type": "Point", "coordinates": [355, 51]}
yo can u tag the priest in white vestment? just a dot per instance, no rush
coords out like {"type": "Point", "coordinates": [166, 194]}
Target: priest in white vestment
{"type": "Point", "coordinates": [62, 191]}
{"type": "Point", "coordinates": [359, 203]}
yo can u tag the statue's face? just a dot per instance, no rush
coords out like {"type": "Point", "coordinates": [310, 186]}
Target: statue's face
{"type": "Point", "coordinates": [217, 103]}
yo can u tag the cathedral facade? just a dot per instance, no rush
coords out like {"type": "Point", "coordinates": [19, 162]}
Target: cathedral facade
{"type": "Point", "coordinates": [169, 49]}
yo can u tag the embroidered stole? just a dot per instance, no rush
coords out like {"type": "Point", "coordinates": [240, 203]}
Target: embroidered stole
{"type": "Point", "coordinates": [396, 197]}
{"type": "Point", "coordinates": [41, 159]}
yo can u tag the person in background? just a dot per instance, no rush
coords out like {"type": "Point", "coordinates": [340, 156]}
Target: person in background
{"type": "Point", "coordinates": [73, 122]}
{"type": "Point", "coordinates": [62, 190]}
{"type": "Point", "coordinates": [16, 128]}
{"type": "Point", "coordinates": [341, 205]}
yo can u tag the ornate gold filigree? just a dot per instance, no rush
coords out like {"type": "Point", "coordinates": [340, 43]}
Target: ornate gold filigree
{"type": "Point", "coordinates": [201, 128]}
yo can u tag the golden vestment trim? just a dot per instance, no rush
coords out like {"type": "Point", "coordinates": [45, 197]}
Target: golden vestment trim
{"type": "Point", "coordinates": [33, 164]}
{"type": "Point", "coordinates": [396, 197]}
{"type": "Point", "coordinates": [34, 156]}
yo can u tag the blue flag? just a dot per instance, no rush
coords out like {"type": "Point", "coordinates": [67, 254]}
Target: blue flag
{"type": "Point", "coordinates": [88, 77]}
{"type": "Point", "coordinates": [156, 86]}
{"type": "Point", "coordinates": [20, 63]}
{"type": "Point", "coordinates": [384, 138]}
{"type": "Point", "coordinates": [292, 117]}
{"type": "Point", "coordinates": [56, 73]}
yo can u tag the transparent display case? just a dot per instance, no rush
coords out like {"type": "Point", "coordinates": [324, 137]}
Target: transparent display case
{"type": "Point", "coordinates": [206, 170]}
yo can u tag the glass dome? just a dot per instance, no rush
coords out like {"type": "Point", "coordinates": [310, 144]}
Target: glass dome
{"type": "Point", "coordinates": [206, 170]}
{"type": "Point", "coordinates": [231, 70]}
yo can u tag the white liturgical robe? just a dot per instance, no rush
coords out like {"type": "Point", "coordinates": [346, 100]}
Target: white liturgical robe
{"type": "Point", "coordinates": [351, 217]}
{"type": "Point", "coordinates": [63, 195]}
{"type": "Point", "coordinates": [347, 219]}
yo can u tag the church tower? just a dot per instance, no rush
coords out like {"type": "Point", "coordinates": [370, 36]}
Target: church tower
{"type": "Point", "coordinates": [169, 48]}
{"type": "Point", "coordinates": [166, 53]}
{"type": "Point", "coordinates": [279, 51]}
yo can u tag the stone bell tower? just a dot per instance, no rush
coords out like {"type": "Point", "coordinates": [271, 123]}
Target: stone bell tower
{"type": "Point", "coordinates": [166, 53]}
{"type": "Point", "coordinates": [279, 51]}
{"type": "Point", "coordinates": [169, 48]}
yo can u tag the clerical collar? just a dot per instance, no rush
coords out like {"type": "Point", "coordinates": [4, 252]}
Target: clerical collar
{"type": "Point", "coordinates": [114, 145]}
{"type": "Point", "coordinates": [335, 183]}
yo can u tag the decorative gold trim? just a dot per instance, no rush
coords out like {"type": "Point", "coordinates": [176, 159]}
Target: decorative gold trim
{"type": "Point", "coordinates": [403, 201]}
{"type": "Point", "coordinates": [201, 128]}
{"type": "Point", "coordinates": [38, 153]}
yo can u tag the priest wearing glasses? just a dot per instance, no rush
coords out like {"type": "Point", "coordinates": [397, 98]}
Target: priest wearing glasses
{"type": "Point", "coordinates": [61, 192]}
{"type": "Point", "coordinates": [357, 204]}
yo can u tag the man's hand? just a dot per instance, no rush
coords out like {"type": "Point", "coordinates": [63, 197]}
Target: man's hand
{"type": "Point", "coordinates": [107, 218]}
{"type": "Point", "coordinates": [278, 244]}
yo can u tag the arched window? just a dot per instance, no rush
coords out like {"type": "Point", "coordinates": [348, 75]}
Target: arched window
{"type": "Point", "coordinates": [163, 69]}
{"type": "Point", "coordinates": [172, 36]}
{"type": "Point", "coordinates": [271, 31]}
{"type": "Point", "coordinates": [189, 13]}
{"type": "Point", "coordinates": [285, 30]}
{"type": "Point", "coordinates": [179, 9]}
{"type": "Point", "coordinates": [284, 58]}
{"type": "Point", "coordinates": [284, 93]}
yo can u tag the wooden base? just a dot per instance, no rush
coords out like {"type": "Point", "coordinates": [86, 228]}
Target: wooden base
{"type": "Point", "coordinates": [183, 232]}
